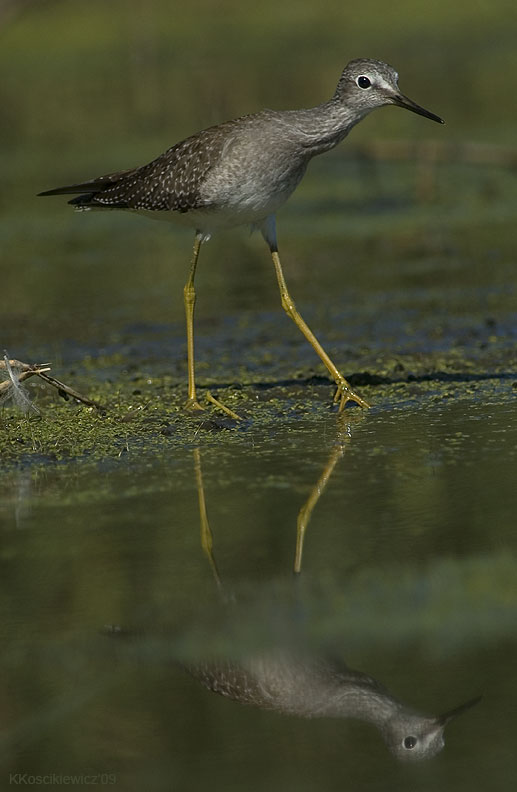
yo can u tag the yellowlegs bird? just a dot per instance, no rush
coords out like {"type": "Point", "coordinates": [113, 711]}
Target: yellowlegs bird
{"type": "Point", "coordinates": [241, 172]}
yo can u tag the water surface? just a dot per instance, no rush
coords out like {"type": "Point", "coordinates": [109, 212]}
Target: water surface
{"type": "Point", "coordinates": [407, 574]}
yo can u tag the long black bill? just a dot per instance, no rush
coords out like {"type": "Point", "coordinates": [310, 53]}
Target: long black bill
{"type": "Point", "coordinates": [403, 101]}
{"type": "Point", "coordinates": [448, 716]}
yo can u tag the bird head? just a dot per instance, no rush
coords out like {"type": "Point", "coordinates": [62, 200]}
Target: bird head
{"type": "Point", "coordinates": [366, 84]}
{"type": "Point", "coordinates": [412, 737]}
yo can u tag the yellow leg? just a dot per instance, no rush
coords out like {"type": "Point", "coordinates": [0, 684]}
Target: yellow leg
{"type": "Point", "coordinates": [344, 392]}
{"type": "Point", "coordinates": [189, 300]}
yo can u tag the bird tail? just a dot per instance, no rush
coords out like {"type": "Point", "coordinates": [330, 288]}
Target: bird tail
{"type": "Point", "coordinates": [89, 189]}
{"type": "Point", "coordinates": [70, 189]}
{"type": "Point", "coordinates": [79, 200]}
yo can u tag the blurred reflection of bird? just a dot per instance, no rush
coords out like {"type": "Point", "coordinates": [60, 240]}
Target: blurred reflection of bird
{"type": "Point", "coordinates": [294, 681]}
{"type": "Point", "coordinates": [318, 688]}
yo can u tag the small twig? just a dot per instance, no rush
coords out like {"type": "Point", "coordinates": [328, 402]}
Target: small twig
{"type": "Point", "coordinates": [69, 391]}
{"type": "Point", "coordinates": [133, 413]}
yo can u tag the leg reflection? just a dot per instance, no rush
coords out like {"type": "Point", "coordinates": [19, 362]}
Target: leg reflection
{"type": "Point", "coordinates": [207, 542]}
{"type": "Point", "coordinates": [305, 512]}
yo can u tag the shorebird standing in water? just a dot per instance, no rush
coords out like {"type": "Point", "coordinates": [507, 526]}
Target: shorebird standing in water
{"type": "Point", "coordinates": [242, 172]}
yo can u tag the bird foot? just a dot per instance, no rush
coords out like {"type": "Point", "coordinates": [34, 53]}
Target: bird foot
{"type": "Point", "coordinates": [192, 405]}
{"type": "Point", "coordinates": [212, 400]}
{"type": "Point", "coordinates": [345, 394]}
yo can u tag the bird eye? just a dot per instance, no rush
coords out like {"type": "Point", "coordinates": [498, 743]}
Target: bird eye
{"type": "Point", "coordinates": [410, 742]}
{"type": "Point", "coordinates": [363, 82]}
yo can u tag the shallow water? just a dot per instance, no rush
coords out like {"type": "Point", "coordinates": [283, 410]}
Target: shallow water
{"type": "Point", "coordinates": [408, 561]}
{"type": "Point", "coordinates": [408, 574]}
{"type": "Point", "coordinates": [407, 568]}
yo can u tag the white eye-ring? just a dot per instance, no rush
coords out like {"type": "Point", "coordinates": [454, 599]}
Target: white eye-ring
{"type": "Point", "coordinates": [364, 82]}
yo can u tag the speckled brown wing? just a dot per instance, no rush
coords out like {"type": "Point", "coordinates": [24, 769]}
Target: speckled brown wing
{"type": "Point", "coordinates": [171, 182]}
{"type": "Point", "coordinates": [230, 680]}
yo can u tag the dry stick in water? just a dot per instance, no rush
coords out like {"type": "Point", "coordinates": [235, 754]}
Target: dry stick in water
{"type": "Point", "coordinates": [69, 391]}
{"type": "Point", "coordinates": [31, 370]}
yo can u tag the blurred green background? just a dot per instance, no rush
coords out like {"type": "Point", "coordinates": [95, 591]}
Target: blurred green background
{"type": "Point", "coordinates": [90, 88]}
{"type": "Point", "coordinates": [124, 75]}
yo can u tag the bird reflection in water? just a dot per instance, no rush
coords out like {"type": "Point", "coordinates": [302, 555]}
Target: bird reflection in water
{"type": "Point", "coordinates": [301, 684]}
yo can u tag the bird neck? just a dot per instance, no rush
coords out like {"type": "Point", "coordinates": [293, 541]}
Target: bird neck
{"type": "Point", "coordinates": [361, 703]}
{"type": "Point", "coordinates": [320, 688]}
{"type": "Point", "coordinates": [318, 129]}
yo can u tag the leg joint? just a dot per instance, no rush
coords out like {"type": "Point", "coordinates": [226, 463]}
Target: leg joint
{"type": "Point", "coordinates": [288, 304]}
{"type": "Point", "coordinates": [189, 293]}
